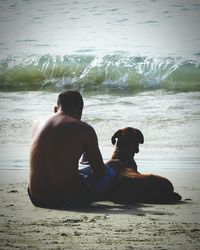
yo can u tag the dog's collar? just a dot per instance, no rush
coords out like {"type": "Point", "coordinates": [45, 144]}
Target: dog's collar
{"type": "Point", "coordinates": [124, 154]}
{"type": "Point", "coordinates": [118, 150]}
{"type": "Point", "coordinates": [126, 158]}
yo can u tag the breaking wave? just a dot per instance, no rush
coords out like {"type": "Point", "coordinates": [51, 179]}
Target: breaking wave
{"type": "Point", "coordinates": [99, 73]}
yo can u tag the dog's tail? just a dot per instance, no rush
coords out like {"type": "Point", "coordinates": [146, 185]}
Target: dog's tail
{"type": "Point", "coordinates": [169, 198]}
{"type": "Point", "coordinates": [176, 197]}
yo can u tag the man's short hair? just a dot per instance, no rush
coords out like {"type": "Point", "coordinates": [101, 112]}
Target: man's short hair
{"type": "Point", "coordinates": [70, 100]}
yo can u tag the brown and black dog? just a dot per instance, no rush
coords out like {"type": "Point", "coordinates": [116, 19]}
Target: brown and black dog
{"type": "Point", "coordinates": [133, 186]}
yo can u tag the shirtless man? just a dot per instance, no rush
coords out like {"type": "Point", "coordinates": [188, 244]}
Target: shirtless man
{"type": "Point", "coordinates": [58, 143]}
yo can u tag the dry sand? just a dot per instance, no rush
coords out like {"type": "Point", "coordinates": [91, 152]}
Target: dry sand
{"type": "Point", "coordinates": [104, 225]}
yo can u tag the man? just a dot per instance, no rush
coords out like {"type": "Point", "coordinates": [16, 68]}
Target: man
{"type": "Point", "coordinates": [58, 143]}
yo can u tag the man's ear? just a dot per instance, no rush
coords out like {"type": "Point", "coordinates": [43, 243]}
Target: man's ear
{"type": "Point", "coordinates": [116, 135]}
{"type": "Point", "coordinates": [55, 109]}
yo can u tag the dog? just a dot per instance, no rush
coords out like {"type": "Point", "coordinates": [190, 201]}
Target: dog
{"type": "Point", "coordinates": [133, 186]}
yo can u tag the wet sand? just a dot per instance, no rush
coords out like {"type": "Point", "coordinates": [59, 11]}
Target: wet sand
{"type": "Point", "coordinates": [104, 225]}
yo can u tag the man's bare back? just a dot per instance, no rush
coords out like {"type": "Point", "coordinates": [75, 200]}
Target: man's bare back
{"type": "Point", "coordinates": [57, 146]}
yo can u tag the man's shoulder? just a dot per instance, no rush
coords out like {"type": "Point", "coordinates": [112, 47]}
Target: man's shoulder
{"type": "Point", "coordinates": [85, 126]}
{"type": "Point", "coordinates": [38, 125]}
{"type": "Point", "coordinates": [81, 127]}
{"type": "Point", "coordinates": [71, 124]}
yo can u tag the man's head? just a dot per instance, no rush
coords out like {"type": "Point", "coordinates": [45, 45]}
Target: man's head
{"type": "Point", "coordinates": [70, 102]}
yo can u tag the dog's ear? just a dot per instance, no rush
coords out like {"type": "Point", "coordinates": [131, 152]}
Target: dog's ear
{"type": "Point", "coordinates": [116, 135]}
{"type": "Point", "coordinates": [140, 136]}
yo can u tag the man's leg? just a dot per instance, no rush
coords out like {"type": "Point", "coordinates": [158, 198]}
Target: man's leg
{"type": "Point", "coordinates": [102, 184]}
{"type": "Point", "coordinates": [86, 175]}
{"type": "Point", "coordinates": [107, 181]}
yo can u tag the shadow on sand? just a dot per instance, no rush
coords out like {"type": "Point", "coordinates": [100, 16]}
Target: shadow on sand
{"type": "Point", "coordinates": [138, 209]}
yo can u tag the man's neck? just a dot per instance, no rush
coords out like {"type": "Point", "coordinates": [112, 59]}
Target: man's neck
{"type": "Point", "coordinates": [73, 115]}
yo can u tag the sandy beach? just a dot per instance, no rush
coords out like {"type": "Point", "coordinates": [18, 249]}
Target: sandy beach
{"type": "Point", "coordinates": [103, 225]}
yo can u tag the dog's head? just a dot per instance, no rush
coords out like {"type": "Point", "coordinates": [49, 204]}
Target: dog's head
{"type": "Point", "coordinates": [128, 139]}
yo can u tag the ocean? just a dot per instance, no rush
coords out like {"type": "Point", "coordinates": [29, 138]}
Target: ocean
{"type": "Point", "coordinates": [136, 63]}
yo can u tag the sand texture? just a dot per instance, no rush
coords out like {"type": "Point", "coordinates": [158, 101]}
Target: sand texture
{"type": "Point", "coordinates": [104, 225]}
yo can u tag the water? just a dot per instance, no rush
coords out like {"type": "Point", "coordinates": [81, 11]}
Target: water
{"type": "Point", "coordinates": [84, 26]}
{"type": "Point", "coordinates": [137, 63]}
{"type": "Point", "coordinates": [169, 122]}
{"type": "Point", "coordinates": [110, 73]}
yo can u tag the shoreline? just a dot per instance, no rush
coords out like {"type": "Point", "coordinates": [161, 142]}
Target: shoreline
{"type": "Point", "coordinates": [103, 225]}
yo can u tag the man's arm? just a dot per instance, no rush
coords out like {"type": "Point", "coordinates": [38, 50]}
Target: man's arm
{"type": "Point", "coordinates": [93, 154]}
